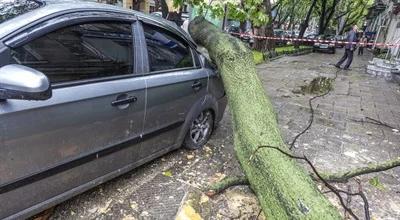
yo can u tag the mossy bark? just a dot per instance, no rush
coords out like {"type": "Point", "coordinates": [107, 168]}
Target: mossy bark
{"type": "Point", "coordinates": [371, 168]}
{"type": "Point", "coordinates": [284, 189]}
{"type": "Point", "coordinates": [225, 183]}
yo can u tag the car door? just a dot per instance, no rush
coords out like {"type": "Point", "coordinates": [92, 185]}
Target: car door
{"type": "Point", "coordinates": [175, 81]}
{"type": "Point", "coordinates": [87, 129]}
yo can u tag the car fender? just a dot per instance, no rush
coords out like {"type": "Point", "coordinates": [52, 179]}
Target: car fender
{"type": "Point", "coordinates": [206, 102]}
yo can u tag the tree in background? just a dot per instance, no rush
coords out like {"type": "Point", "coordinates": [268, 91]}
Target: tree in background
{"type": "Point", "coordinates": [349, 13]}
{"type": "Point", "coordinates": [304, 24]}
{"type": "Point", "coordinates": [288, 14]}
{"type": "Point", "coordinates": [325, 10]}
{"type": "Point", "coordinates": [258, 12]}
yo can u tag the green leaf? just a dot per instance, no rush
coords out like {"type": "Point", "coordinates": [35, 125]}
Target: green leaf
{"type": "Point", "coordinates": [167, 173]}
{"type": "Point", "coordinates": [376, 183]}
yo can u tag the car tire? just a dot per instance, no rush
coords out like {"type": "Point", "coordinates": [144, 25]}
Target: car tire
{"type": "Point", "coordinates": [200, 130]}
{"type": "Point", "coordinates": [333, 51]}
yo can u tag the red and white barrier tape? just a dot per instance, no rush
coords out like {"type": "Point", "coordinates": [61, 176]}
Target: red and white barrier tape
{"type": "Point", "coordinates": [316, 40]}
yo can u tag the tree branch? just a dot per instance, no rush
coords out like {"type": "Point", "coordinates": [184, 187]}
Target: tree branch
{"type": "Point", "coordinates": [373, 168]}
{"type": "Point", "coordinates": [225, 183]}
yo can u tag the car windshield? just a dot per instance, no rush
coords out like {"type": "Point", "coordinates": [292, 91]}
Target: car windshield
{"type": "Point", "coordinates": [234, 29]}
{"type": "Point", "coordinates": [13, 8]}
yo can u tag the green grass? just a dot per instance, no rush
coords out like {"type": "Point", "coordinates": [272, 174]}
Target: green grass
{"type": "Point", "coordinates": [289, 48]}
{"type": "Point", "coordinates": [258, 57]}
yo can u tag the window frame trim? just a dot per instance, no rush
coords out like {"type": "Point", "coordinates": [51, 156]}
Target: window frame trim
{"type": "Point", "coordinates": [70, 19]}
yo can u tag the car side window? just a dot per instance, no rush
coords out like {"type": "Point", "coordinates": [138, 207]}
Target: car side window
{"type": "Point", "coordinates": [165, 51]}
{"type": "Point", "coordinates": [80, 52]}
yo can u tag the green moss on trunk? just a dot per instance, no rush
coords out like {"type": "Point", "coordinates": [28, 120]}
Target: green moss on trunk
{"type": "Point", "coordinates": [284, 189]}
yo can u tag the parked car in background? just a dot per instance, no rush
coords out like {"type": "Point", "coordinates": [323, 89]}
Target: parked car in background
{"type": "Point", "coordinates": [292, 33]}
{"type": "Point", "coordinates": [340, 39]}
{"type": "Point", "coordinates": [296, 34]}
{"type": "Point", "coordinates": [310, 37]}
{"type": "Point", "coordinates": [90, 91]}
{"type": "Point", "coordinates": [322, 46]}
{"type": "Point", "coordinates": [279, 33]}
{"type": "Point", "coordinates": [243, 36]}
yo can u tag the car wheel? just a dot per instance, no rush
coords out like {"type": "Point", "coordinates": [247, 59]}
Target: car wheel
{"type": "Point", "coordinates": [333, 51]}
{"type": "Point", "coordinates": [200, 130]}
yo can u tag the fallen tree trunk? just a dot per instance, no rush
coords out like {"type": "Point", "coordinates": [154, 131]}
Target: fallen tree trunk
{"type": "Point", "coordinates": [284, 189]}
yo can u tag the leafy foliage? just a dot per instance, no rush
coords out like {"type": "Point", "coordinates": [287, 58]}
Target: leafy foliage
{"type": "Point", "coordinates": [13, 8]}
{"type": "Point", "coordinates": [240, 10]}
{"type": "Point", "coordinates": [258, 57]}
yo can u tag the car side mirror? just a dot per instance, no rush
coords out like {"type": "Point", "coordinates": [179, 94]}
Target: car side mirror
{"type": "Point", "coordinates": [21, 82]}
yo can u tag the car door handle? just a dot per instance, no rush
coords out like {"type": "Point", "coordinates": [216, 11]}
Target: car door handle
{"type": "Point", "coordinates": [124, 101]}
{"type": "Point", "coordinates": [197, 85]}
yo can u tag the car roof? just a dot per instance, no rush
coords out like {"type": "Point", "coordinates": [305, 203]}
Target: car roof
{"type": "Point", "coordinates": [52, 7]}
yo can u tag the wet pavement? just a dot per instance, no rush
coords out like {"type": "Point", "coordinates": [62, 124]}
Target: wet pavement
{"type": "Point", "coordinates": [171, 187]}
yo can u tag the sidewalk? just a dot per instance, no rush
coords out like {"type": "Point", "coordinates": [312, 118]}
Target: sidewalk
{"type": "Point", "coordinates": [336, 141]}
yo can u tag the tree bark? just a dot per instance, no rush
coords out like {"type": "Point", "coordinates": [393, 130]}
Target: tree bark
{"type": "Point", "coordinates": [260, 44]}
{"type": "Point", "coordinates": [304, 25]}
{"type": "Point", "coordinates": [326, 15]}
{"type": "Point", "coordinates": [157, 5]}
{"type": "Point", "coordinates": [242, 23]}
{"type": "Point", "coordinates": [164, 8]}
{"type": "Point", "coordinates": [225, 183]}
{"type": "Point", "coordinates": [284, 189]}
{"type": "Point", "coordinates": [267, 30]}
{"type": "Point", "coordinates": [331, 11]}
{"type": "Point", "coordinates": [321, 28]}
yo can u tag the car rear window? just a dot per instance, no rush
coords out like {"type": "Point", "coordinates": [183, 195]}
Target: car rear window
{"type": "Point", "coordinates": [13, 8]}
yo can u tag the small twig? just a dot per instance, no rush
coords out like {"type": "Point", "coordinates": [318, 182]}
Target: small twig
{"type": "Point", "coordinates": [375, 122]}
{"type": "Point", "coordinates": [348, 201]}
{"type": "Point", "coordinates": [291, 145]}
{"type": "Point", "coordinates": [364, 198]}
{"type": "Point", "coordinates": [380, 123]}
{"type": "Point", "coordinates": [259, 213]}
{"type": "Point", "coordinates": [310, 121]}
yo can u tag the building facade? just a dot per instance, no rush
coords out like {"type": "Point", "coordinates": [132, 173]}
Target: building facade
{"type": "Point", "coordinates": [383, 22]}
